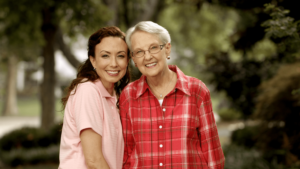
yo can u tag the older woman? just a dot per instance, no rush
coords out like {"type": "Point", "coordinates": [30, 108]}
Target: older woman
{"type": "Point", "coordinates": [167, 117]}
{"type": "Point", "coordinates": [92, 131]}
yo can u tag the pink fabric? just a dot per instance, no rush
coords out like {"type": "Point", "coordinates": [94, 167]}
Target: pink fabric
{"type": "Point", "coordinates": [91, 107]}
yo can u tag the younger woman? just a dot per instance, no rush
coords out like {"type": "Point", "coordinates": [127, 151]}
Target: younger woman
{"type": "Point", "coordinates": [92, 131]}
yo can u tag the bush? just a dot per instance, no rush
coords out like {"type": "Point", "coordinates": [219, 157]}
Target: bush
{"type": "Point", "coordinates": [239, 157]}
{"type": "Point", "coordinates": [29, 145]}
{"type": "Point", "coordinates": [30, 137]}
{"type": "Point", "coordinates": [246, 137]}
{"type": "Point", "coordinates": [228, 114]}
{"type": "Point", "coordinates": [19, 157]}
{"type": "Point", "coordinates": [21, 138]}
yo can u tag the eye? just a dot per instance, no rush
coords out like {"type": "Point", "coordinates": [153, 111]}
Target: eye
{"type": "Point", "coordinates": [104, 56]}
{"type": "Point", "coordinates": [154, 47]}
{"type": "Point", "coordinates": [139, 52]}
{"type": "Point", "coordinates": [121, 56]}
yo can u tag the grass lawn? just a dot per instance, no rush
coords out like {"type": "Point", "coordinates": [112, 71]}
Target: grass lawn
{"type": "Point", "coordinates": [32, 107]}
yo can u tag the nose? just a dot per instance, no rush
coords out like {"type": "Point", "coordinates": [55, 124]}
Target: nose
{"type": "Point", "coordinates": [147, 55]}
{"type": "Point", "coordinates": [113, 62]}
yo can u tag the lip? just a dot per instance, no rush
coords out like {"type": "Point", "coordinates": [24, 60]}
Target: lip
{"type": "Point", "coordinates": [113, 72]}
{"type": "Point", "coordinates": [151, 65]}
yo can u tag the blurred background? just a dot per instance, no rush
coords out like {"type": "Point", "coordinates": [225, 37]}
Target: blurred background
{"type": "Point", "coordinates": [246, 51]}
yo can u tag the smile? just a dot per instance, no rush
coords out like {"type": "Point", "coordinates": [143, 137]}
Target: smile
{"type": "Point", "coordinates": [112, 72]}
{"type": "Point", "coordinates": [151, 64]}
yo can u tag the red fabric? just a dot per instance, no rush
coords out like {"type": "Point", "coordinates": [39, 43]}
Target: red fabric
{"type": "Point", "coordinates": [179, 134]}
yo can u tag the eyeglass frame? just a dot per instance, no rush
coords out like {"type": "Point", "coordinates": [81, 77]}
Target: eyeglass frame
{"type": "Point", "coordinates": [160, 46]}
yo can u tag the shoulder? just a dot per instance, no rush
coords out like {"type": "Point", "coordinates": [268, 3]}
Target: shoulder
{"type": "Point", "coordinates": [130, 90]}
{"type": "Point", "coordinates": [196, 86]}
{"type": "Point", "coordinates": [88, 85]}
{"type": "Point", "coordinates": [189, 83]}
{"type": "Point", "coordinates": [87, 88]}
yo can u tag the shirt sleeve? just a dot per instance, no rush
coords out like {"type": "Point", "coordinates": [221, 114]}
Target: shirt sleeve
{"type": "Point", "coordinates": [127, 131]}
{"type": "Point", "coordinates": [88, 109]}
{"type": "Point", "coordinates": [209, 138]}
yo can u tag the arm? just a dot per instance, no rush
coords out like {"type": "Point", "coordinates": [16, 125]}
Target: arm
{"type": "Point", "coordinates": [88, 115]}
{"type": "Point", "coordinates": [92, 149]}
{"type": "Point", "coordinates": [127, 132]}
{"type": "Point", "coordinates": [209, 138]}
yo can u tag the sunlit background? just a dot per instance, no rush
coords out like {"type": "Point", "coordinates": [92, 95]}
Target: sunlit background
{"type": "Point", "coordinates": [247, 53]}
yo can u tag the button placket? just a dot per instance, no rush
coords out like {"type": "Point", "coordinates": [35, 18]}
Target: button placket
{"type": "Point", "coordinates": [161, 142]}
{"type": "Point", "coordinates": [114, 114]}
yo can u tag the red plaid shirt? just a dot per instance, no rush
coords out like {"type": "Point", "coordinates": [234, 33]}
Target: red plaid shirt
{"type": "Point", "coordinates": [181, 133]}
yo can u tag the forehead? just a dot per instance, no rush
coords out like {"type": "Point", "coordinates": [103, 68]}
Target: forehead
{"type": "Point", "coordinates": [141, 39]}
{"type": "Point", "coordinates": [112, 44]}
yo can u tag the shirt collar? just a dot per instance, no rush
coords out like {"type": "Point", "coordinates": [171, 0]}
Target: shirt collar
{"type": "Point", "coordinates": [103, 91]}
{"type": "Point", "coordinates": [181, 84]}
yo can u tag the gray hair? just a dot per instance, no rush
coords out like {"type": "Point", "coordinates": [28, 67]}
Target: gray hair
{"type": "Point", "coordinates": [149, 27]}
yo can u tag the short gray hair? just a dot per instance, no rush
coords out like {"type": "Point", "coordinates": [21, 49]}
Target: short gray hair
{"type": "Point", "coordinates": [149, 27]}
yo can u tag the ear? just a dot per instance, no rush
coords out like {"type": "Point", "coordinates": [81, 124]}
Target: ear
{"type": "Point", "coordinates": [92, 60]}
{"type": "Point", "coordinates": [168, 49]}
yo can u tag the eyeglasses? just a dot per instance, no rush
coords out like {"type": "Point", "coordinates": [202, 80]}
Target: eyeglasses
{"type": "Point", "coordinates": [152, 49]}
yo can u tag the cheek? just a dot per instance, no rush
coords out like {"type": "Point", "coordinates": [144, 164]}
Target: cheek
{"type": "Point", "coordinates": [123, 64]}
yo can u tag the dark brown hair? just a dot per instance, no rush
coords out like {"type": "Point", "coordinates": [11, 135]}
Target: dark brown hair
{"type": "Point", "coordinates": [86, 70]}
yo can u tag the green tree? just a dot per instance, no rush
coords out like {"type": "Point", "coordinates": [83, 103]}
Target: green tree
{"type": "Point", "coordinates": [40, 24]}
{"type": "Point", "coordinates": [48, 21]}
{"type": "Point", "coordinates": [278, 103]}
{"type": "Point", "coordinates": [16, 44]}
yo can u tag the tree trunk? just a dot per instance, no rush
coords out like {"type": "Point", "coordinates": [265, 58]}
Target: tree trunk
{"type": "Point", "coordinates": [48, 84]}
{"type": "Point", "coordinates": [10, 103]}
{"type": "Point", "coordinates": [66, 49]}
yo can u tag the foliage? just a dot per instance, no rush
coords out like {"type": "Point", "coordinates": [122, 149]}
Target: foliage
{"type": "Point", "coordinates": [30, 146]}
{"type": "Point", "coordinates": [239, 157]}
{"type": "Point", "coordinates": [21, 157]}
{"type": "Point", "coordinates": [283, 30]}
{"type": "Point", "coordinates": [229, 114]}
{"type": "Point", "coordinates": [278, 108]}
{"type": "Point", "coordinates": [30, 137]}
{"type": "Point", "coordinates": [191, 41]}
{"type": "Point", "coordinates": [246, 136]}
{"type": "Point", "coordinates": [241, 78]}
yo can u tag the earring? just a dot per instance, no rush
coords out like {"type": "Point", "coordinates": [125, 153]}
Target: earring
{"type": "Point", "coordinates": [94, 69]}
{"type": "Point", "coordinates": [169, 57]}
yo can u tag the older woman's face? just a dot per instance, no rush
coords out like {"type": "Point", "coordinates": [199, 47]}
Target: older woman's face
{"type": "Point", "coordinates": [150, 64]}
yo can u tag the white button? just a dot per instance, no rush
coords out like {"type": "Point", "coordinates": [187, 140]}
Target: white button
{"type": "Point", "coordinates": [160, 126]}
{"type": "Point", "coordinates": [161, 146]}
{"type": "Point", "coordinates": [164, 109]}
{"type": "Point", "coordinates": [160, 164]}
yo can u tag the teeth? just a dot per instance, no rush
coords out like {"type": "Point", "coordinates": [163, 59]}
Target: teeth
{"type": "Point", "coordinates": [152, 64]}
{"type": "Point", "coordinates": [112, 72]}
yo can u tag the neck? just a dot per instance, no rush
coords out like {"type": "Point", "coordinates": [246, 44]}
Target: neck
{"type": "Point", "coordinates": [161, 79]}
{"type": "Point", "coordinates": [109, 87]}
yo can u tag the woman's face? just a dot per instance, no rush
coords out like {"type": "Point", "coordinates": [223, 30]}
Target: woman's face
{"type": "Point", "coordinates": [150, 65]}
{"type": "Point", "coordinates": [110, 60]}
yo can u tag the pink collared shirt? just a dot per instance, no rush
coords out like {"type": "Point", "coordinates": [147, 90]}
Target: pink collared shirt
{"type": "Point", "coordinates": [91, 107]}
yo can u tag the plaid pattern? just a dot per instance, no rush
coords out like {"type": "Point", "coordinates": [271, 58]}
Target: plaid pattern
{"type": "Point", "coordinates": [179, 134]}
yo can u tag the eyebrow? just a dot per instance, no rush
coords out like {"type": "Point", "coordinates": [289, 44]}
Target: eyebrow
{"type": "Point", "coordinates": [109, 52]}
{"type": "Point", "coordinates": [148, 47]}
